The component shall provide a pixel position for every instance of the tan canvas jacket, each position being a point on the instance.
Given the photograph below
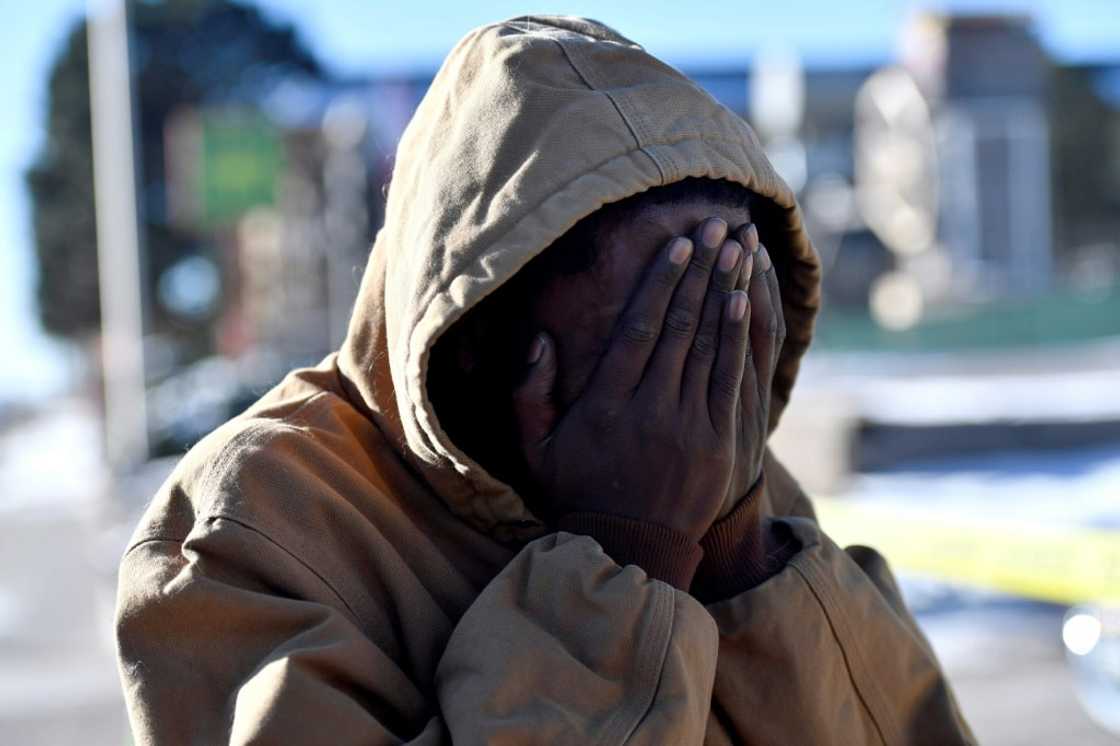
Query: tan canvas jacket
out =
(330, 568)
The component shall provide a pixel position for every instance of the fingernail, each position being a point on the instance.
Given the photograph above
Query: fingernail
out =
(729, 256)
(713, 233)
(751, 238)
(764, 255)
(680, 250)
(737, 305)
(536, 349)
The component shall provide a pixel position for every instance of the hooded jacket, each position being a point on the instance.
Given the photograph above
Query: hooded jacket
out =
(330, 568)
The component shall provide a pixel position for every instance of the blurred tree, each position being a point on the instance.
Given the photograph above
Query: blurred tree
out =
(184, 53)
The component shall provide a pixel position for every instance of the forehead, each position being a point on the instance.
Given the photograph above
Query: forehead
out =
(628, 242)
(637, 234)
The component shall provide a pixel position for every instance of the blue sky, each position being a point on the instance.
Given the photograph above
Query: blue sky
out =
(359, 34)
(363, 36)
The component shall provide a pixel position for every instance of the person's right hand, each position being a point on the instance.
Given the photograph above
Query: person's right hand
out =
(653, 436)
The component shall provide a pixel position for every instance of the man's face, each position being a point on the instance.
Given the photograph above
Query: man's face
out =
(579, 311)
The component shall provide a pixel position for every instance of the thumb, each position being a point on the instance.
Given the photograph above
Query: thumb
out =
(533, 405)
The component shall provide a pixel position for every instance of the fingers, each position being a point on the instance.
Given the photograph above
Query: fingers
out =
(767, 322)
(638, 328)
(732, 365)
(682, 318)
(706, 343)
(747, 235)
(533, 405)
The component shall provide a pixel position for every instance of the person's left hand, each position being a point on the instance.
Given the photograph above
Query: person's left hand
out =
(767, 333)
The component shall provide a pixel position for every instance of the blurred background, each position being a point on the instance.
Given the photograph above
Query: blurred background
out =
(959, 168)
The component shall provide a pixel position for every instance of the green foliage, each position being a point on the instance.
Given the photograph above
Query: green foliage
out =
(184, 53)
(61, 185)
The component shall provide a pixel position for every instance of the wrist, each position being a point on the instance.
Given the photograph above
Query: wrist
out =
(740, 550)
(662, 552)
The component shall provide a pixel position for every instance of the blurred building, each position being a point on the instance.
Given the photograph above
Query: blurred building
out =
(974, 170)
(988, 80)
(961, 154)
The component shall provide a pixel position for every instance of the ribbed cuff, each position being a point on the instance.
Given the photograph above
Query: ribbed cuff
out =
(737, 553)
(664, 554)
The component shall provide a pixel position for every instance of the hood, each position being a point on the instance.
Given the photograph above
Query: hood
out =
(531, 125)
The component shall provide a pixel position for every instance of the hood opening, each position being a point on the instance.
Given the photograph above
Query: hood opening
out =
(530, 126)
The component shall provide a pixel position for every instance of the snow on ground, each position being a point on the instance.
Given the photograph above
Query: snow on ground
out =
(52, 461)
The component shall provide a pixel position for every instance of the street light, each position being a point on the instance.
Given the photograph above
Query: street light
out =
(118, 239)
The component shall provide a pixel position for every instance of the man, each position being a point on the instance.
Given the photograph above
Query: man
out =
(529, 500)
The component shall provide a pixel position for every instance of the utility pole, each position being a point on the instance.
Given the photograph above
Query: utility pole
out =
(118, 239)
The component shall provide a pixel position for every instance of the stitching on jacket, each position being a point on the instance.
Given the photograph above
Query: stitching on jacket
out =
(227, 454)
(651, 655)
(634, 125)
(849, 649)
(871, 682)
(249, 527)
(152, 540)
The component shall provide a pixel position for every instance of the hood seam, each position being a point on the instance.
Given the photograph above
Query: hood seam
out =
(636, 127)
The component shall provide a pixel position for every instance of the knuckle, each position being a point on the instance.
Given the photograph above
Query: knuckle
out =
(725, 383)
(680, 321)
(733, 333)
(704, 345)
(666, 278)
(723, 284)
(638, 331)
(703, 261)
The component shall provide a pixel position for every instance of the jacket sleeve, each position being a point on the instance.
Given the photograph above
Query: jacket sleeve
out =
(827, 650)
(227, 638)
(566, 647)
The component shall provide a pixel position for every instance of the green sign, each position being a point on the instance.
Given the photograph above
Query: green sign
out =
(222, 163)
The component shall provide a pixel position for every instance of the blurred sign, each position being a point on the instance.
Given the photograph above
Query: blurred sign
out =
(221, 163)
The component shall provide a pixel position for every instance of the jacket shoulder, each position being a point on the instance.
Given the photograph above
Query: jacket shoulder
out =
(255, 462)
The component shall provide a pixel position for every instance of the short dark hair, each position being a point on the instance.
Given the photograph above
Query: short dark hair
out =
(466, 394)
(577, 250)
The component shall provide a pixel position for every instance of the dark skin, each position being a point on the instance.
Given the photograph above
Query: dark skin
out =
(649, 384)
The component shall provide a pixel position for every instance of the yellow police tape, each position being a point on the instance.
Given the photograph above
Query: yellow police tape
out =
(1062, 564)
